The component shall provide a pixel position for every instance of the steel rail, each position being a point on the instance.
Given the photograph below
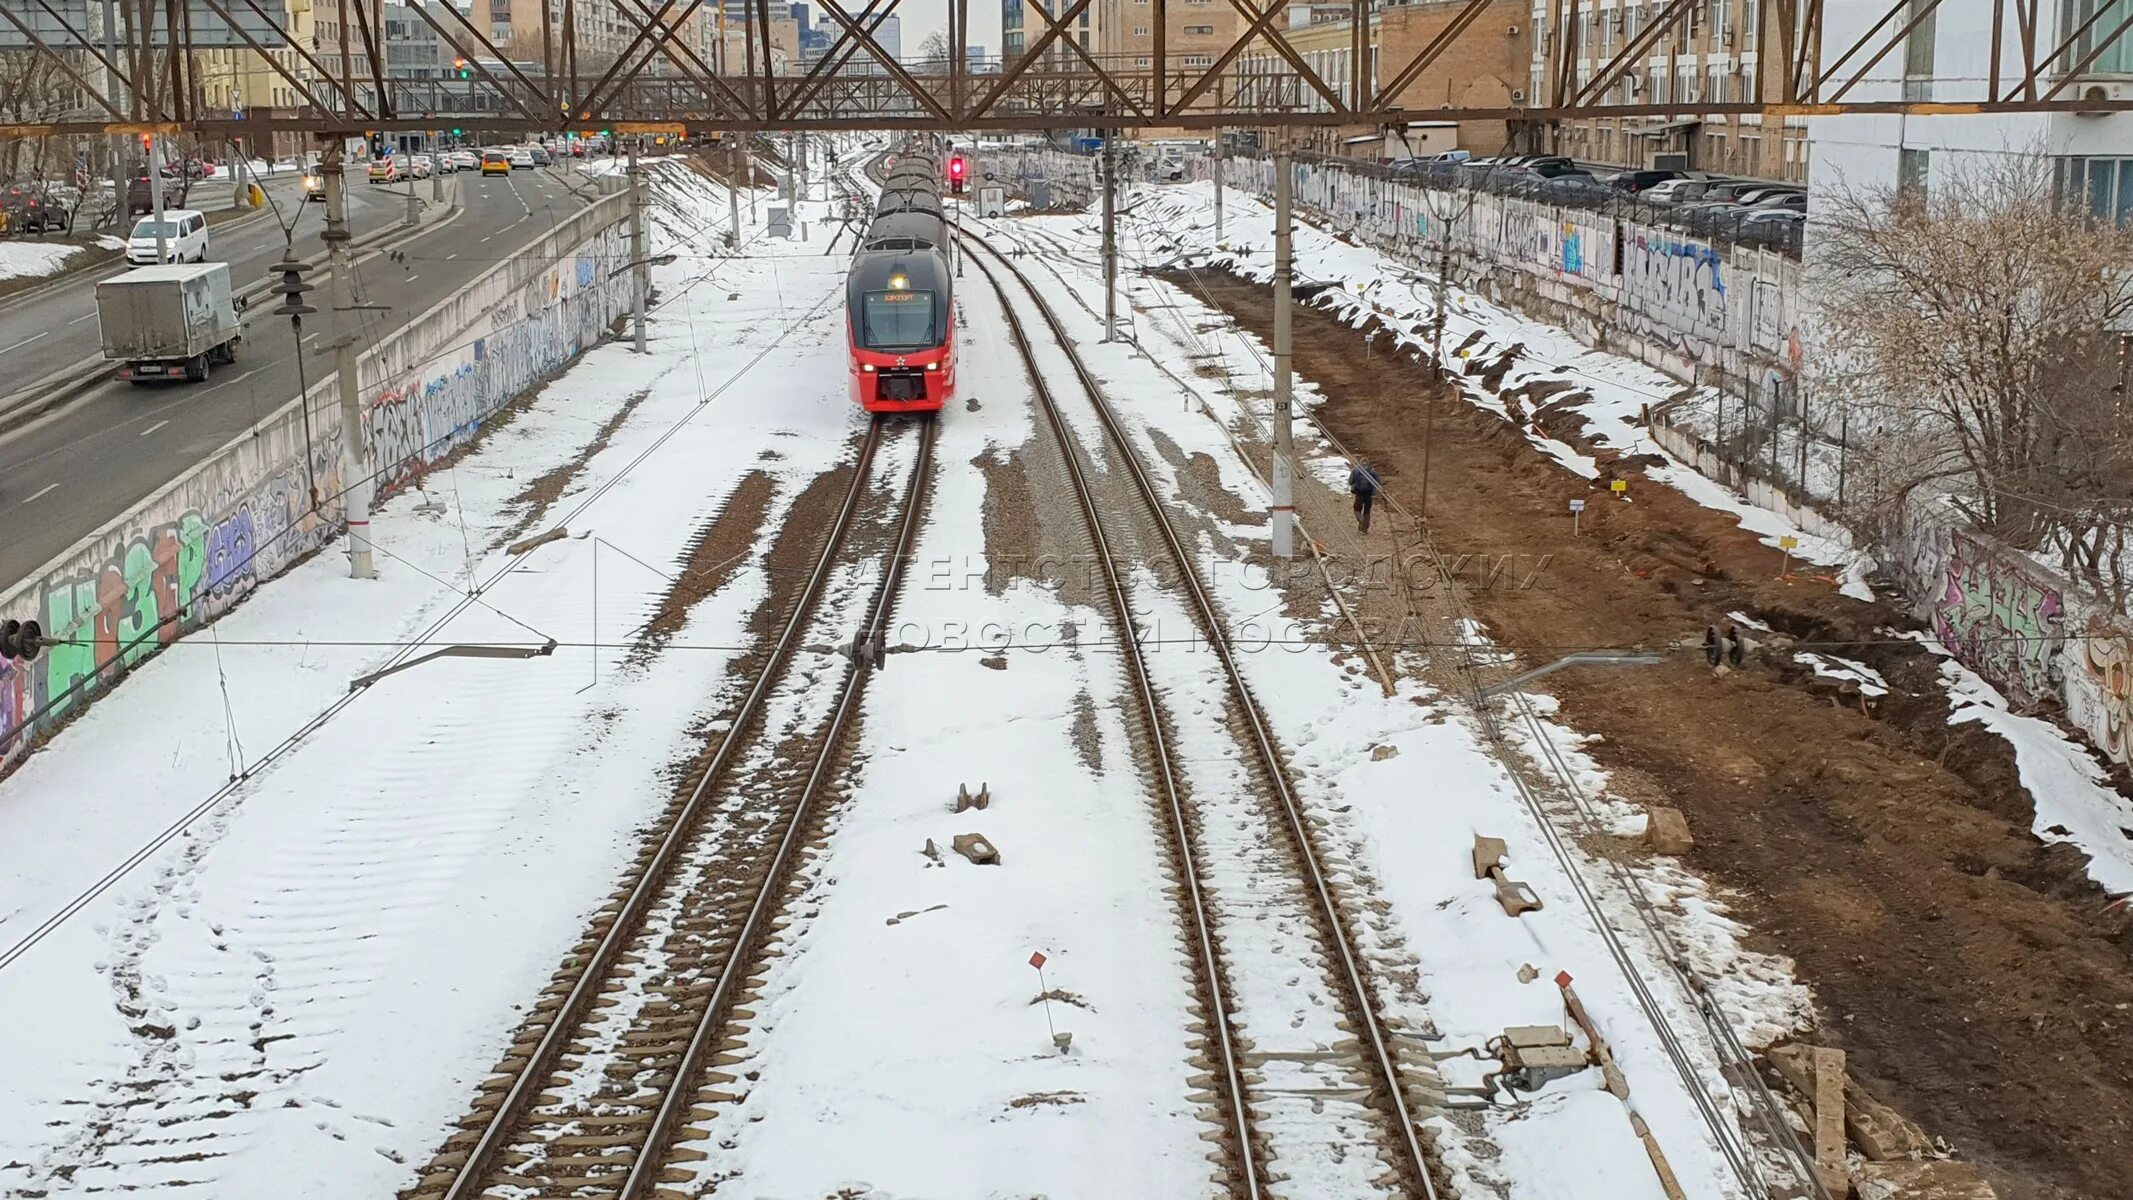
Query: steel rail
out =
(1381, 1055)
(1129, 641)
(681, 1095)
(471, 1178)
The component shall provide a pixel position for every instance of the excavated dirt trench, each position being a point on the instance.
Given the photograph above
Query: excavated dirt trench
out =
(1971, 972)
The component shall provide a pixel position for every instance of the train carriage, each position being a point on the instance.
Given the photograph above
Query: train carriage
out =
(899, 297)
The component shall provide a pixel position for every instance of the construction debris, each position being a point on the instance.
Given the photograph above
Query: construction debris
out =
(964, 801)
(1516, 898)
(1941, 1180)
(977, 848)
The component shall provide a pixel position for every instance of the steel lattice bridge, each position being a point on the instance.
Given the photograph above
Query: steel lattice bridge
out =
(129, 60)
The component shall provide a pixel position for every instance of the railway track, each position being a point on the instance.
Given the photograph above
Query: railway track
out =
(1286, 1103)
(619, 1052)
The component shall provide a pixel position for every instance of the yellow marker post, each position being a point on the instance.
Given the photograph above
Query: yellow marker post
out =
(1620, 487)
(1786, 545)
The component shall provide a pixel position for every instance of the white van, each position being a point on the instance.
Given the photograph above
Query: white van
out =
(184, 237)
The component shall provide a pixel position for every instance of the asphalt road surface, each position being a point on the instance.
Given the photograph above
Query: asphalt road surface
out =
(71, 472)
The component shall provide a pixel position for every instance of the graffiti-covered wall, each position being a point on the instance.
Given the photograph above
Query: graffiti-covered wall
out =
(1675, 302)
(182, 557)
(2025, 629)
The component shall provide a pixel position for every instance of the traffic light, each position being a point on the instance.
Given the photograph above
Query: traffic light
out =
(460, 65)
(20, 640)
(148, 143)
(958, 173)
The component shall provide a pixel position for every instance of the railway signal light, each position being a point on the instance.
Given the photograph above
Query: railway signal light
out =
(958, 173)
(20, 640)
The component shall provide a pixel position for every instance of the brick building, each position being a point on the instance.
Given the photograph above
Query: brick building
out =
(1710, 56)
(1486, 68)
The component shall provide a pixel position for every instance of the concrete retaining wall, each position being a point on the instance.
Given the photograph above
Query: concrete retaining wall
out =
(183, 556)
(1689, 308)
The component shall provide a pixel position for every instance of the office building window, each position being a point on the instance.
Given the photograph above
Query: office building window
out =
(2104, 186)
(1918, 52)
(1912, 169)
(1199, 60)
(1140, 31)
(2118, 59)
(1199, 30)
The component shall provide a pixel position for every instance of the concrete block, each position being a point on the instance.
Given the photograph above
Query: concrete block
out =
(1880, 1132)
(1829, 1119)
(977, 848)
(1666, 831)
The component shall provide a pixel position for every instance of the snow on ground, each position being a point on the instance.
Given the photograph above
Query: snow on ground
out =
(903, 1015)
(300, 993)
(2074, 799)
(21, 257)
(1406, 820)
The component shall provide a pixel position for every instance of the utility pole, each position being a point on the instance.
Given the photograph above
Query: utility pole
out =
(155, 193)
(1110, 234)
(436, 167)
(733, 194)
(341, 327)
(1218, 186)
(640, 271)
(237, 156)
(1284, 514)
(1436, 358)
(121, 153)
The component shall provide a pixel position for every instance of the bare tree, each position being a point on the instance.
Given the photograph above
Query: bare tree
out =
(935, 55)
(1974, 334)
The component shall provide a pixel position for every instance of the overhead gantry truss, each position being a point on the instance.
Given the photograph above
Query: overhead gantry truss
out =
(130, 60)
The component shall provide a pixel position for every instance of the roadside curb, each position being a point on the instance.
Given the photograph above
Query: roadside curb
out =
(60, 388)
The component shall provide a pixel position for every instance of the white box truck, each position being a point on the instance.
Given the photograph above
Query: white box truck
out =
(171, 321)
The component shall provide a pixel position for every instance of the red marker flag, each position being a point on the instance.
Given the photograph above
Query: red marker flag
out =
(1037, 960)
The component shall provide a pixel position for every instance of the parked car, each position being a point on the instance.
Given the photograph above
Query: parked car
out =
(1549, 168)
(384, 170)
(1641, 180)
(1781, 202)
(184, 233)
(1689, 186)
(1772, 218)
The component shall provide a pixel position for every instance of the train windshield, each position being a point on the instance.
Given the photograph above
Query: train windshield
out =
(895, 320)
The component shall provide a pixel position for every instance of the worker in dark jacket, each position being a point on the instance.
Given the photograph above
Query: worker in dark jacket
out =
(1365, 484)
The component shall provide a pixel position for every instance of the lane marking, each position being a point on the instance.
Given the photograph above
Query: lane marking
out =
(88, 316)
(411, 278)
(26, 341)
(450, 257)
(152, 428)
(40, 492)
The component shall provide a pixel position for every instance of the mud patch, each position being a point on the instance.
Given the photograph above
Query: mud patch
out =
(710, 562)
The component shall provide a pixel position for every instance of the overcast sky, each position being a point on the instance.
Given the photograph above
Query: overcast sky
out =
(921, 17)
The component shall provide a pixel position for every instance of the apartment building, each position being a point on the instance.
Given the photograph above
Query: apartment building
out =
(1196, 33)
(1019, 30)
(1486, 68)
(241, 79)
(1710, 56)
(1949, 57)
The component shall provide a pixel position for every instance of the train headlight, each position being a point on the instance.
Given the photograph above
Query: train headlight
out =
(867, 368)
(933, 366)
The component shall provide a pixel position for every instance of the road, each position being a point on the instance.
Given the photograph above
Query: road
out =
(65, 476)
